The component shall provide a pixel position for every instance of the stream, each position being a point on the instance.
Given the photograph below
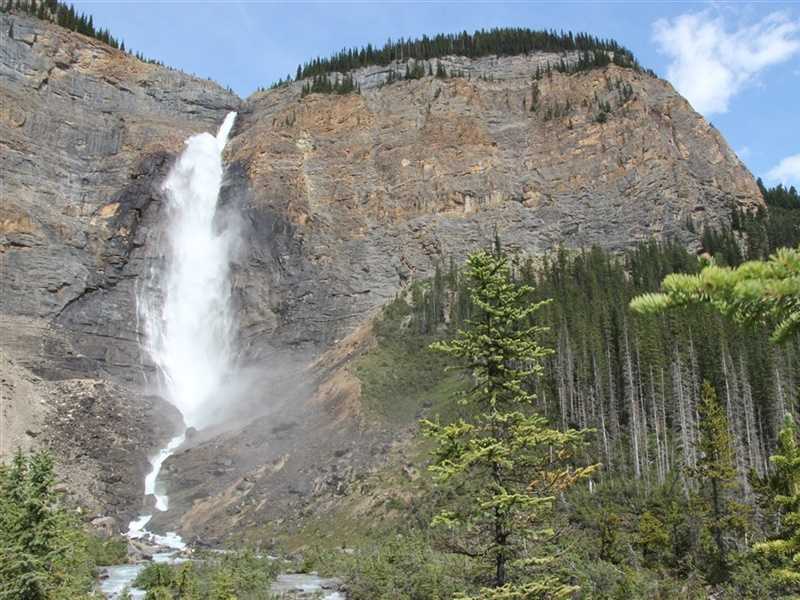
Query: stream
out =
(114, 580)
(291, 585)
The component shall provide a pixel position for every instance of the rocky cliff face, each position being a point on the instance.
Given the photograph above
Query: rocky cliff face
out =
(344, 200)
(87, 134)
(363, 192)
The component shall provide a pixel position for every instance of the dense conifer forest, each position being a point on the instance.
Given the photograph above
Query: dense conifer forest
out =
(637, 379)
(64, 15)
(684, 411)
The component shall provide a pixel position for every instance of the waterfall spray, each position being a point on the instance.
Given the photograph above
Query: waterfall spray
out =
(185, 307)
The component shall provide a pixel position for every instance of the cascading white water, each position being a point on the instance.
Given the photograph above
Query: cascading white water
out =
(189, 325)
(185, 306)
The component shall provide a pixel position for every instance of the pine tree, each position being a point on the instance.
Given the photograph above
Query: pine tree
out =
(716, 474)
(506, 464)
(765, 292)
(185, 583)
(42, 548)
(160, 593)
(785, 548)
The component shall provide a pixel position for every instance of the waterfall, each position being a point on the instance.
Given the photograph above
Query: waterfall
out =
(185, 304)
(188, 320)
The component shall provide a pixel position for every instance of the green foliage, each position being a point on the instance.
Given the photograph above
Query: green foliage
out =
(604, 109)
(546, 587)
(754, 292)
(325, 84)
(154, 575)
(716, 474)
(125, 595)
(405, 567)
(780, 196)
(415, 70)
(399, 380)
(650, 536)
(106, 552)
(504, 461)
(765, 230)
(239, 575)
(161, 593)
(43, 548)
(66, 16)
(784, 549)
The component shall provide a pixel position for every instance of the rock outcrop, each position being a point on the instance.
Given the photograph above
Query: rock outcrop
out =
(343, 200)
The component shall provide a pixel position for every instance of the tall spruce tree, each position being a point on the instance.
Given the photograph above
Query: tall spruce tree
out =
(716, 475)
(43, 552)
(785, 548)
(504, 462)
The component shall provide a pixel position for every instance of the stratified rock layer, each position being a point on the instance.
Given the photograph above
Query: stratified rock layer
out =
(360, 193)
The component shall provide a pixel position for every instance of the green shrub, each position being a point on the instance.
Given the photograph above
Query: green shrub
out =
(404, 568)
(240, 575)
(153, 576)
(106, 552)
(43, 547)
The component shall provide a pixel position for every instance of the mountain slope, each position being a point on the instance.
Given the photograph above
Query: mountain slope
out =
(374, 189)
(342, 201)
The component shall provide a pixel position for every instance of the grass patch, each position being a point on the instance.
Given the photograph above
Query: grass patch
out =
(402, 379)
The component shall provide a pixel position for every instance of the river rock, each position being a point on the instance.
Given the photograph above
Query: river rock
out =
(301, 585)
(105, 527)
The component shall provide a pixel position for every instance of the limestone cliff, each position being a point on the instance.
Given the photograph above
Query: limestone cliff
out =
(344, 199)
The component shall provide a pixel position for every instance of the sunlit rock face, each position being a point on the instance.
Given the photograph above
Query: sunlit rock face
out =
(343, 200)
(364, 192)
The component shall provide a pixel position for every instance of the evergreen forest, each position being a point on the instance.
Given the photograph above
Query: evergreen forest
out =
(680, 448)
(506, 41)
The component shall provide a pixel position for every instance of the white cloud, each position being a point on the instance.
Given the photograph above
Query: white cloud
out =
(709, 63)
(787, 171)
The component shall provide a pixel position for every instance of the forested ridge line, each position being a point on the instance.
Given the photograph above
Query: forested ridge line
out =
(501, 41)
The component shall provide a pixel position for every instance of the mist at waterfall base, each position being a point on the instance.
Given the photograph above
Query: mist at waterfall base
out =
(185, 304)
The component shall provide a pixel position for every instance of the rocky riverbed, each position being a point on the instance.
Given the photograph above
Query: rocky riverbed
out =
(114, 580)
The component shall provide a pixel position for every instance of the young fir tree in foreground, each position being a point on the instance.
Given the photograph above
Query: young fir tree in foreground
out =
(785, 548)
(716, 476)
(505, 465)
(766, 292)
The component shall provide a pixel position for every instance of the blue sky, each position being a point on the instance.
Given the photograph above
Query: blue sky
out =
(738, 63)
